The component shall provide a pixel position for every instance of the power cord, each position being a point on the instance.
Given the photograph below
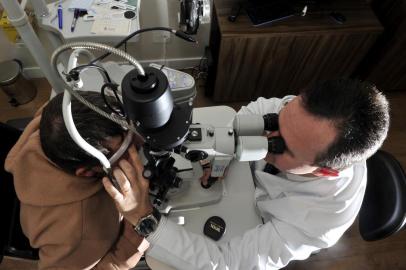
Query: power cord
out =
(177, 33)
(113, 87)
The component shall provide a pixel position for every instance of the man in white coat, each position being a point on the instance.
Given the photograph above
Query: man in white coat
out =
(308, 201)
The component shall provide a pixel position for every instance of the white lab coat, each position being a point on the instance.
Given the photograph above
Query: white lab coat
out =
(301, 215)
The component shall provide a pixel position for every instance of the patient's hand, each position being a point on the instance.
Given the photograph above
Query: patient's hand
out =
(133, 198)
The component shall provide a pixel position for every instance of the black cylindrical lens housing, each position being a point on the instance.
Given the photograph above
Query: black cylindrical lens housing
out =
(147, 99)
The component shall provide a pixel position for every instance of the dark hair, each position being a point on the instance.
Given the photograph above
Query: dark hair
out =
(360, 114)
(56, 142)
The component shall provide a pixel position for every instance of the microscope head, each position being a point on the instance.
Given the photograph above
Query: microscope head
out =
(149, 103)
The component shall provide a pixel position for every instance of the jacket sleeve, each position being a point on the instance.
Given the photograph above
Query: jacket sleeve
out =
(268, 246)
(263, 106)
(65, 243)
(296, 226)
(126, 252)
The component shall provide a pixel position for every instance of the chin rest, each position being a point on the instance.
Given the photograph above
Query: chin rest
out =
(384, 206)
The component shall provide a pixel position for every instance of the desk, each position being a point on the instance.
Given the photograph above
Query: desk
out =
(237, 206)
(282, 58)
(83, 28)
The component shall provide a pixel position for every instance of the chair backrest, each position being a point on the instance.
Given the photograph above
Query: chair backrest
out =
(383, 209)
(12, 240)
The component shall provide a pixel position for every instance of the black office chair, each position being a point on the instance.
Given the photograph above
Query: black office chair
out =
(12, 240)
(383, 209)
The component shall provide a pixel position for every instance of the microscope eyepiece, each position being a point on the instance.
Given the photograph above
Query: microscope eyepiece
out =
(276, 145)
(271, 122)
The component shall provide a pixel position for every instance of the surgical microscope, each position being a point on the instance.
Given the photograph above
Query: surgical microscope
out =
(163, 119)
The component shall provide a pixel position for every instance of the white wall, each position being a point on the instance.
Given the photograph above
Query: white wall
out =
(179, 53)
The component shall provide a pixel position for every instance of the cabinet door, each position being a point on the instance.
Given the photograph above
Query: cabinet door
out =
(273, 66)
(385, 65)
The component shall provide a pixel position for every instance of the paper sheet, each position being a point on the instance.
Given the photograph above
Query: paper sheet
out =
(118, 27)
(80, 4)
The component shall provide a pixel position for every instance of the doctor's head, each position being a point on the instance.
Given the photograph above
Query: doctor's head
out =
(59, 147)
(330, 126)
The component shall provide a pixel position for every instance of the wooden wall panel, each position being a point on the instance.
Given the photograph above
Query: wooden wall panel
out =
(275, 66)
(281, 59)
(385, 65)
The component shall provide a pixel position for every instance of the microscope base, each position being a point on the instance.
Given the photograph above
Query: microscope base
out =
(192, 195)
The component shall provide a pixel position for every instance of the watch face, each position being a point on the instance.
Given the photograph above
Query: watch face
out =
(147, 226)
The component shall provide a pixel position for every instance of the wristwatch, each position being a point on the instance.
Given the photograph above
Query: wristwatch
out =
(148, 224)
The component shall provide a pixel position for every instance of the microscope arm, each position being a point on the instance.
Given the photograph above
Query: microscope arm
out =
(220, 145)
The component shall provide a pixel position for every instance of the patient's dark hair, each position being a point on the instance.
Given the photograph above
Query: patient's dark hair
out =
(360, 114)
(56, 142)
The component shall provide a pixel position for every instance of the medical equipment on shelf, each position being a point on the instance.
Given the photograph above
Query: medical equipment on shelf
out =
(192, 14)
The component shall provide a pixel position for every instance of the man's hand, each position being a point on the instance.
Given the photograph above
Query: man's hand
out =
(133, 199)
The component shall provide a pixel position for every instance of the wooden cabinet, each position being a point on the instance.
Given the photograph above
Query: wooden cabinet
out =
(279, 59)
(385, 64)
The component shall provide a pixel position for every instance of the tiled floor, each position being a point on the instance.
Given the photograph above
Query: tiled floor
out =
(9, 112)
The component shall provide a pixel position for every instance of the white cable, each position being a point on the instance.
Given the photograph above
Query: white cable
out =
(70, 125)
(123, 147)
(79, 46)
(73, 132)
(95, 46)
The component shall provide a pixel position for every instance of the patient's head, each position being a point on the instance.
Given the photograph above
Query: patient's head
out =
(58, 146)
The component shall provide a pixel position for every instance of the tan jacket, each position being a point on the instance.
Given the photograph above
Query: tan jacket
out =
(72, 220)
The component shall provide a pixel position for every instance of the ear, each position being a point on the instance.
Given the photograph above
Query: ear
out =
(84, 172)
(324, 171)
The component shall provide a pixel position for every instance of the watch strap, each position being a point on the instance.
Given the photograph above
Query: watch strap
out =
(156, 214)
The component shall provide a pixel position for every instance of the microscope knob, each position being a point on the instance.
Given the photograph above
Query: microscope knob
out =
(147, 173)
(177, 182)
(196, 155)
(157, 201)
(210, 182)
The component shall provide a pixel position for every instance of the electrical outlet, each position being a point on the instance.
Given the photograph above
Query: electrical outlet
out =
(161, 37)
